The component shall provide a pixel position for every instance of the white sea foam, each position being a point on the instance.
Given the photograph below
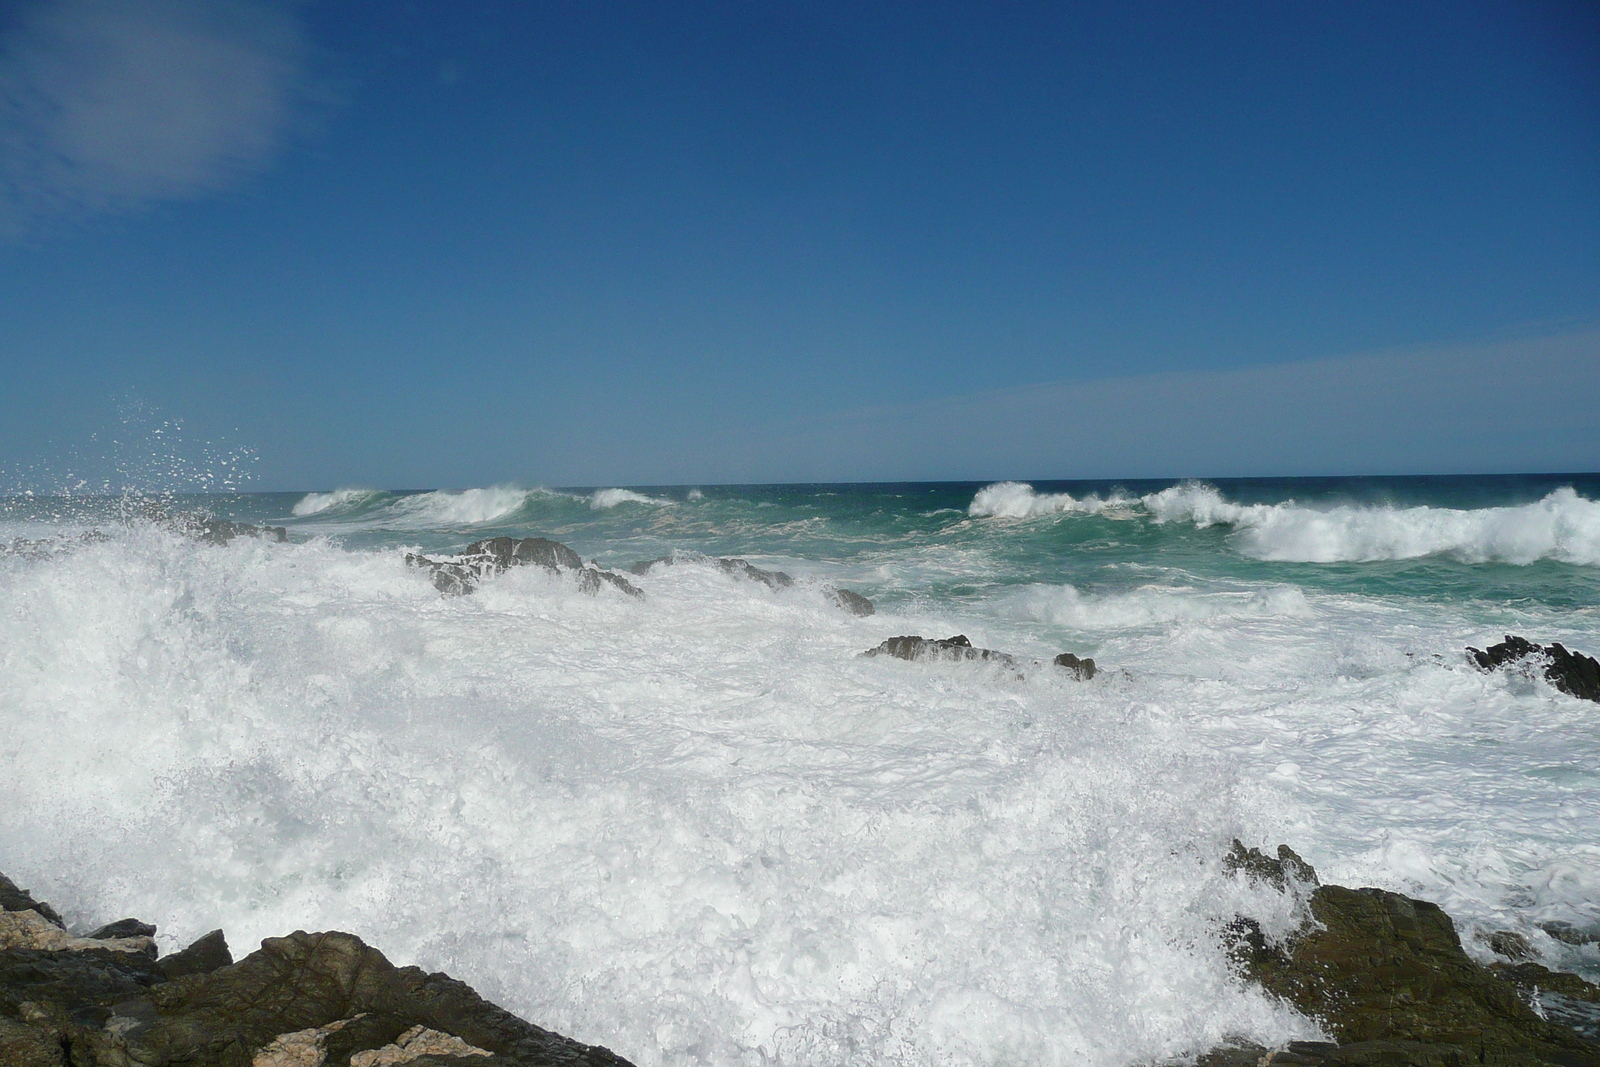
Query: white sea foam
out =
(1563, 526)
(610, 498)
(1018, 500)
(1153, 605)
(337, 500)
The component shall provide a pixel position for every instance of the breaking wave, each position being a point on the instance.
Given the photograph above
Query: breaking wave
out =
(1065, 605)
(339, 500)
(1018, 500)
(1563, 526)
(610, 498)
(463, 507)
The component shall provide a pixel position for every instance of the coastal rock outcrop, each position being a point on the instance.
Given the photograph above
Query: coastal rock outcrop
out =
(460, 574)
(305, 1000)
(911, 647)
(1571, 672)
(1386, 977)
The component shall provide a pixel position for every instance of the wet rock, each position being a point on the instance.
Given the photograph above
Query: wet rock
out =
(1283, 873)
(1571, 672)
(949, 648)
(1386, 976)
(1568, 934)
(124, 928)
(414, 1044)
(205, 955)
(854, 603)
(15, 899)
(459, 575)
(1511, 945)
(1083, 669)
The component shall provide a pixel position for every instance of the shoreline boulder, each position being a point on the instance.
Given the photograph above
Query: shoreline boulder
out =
(459, 575)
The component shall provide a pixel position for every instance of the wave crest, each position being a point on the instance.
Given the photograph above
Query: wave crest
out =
(1018, 500)
(1563, 526)
(337, 500)
(605, 499)
(463, 507)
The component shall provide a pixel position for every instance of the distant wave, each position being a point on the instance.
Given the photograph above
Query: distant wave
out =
(464, 507)
(338, 500)
(610, 498)
(1563, 526)
(1017, 500)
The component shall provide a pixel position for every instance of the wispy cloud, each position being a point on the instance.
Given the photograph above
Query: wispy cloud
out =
(113, 105)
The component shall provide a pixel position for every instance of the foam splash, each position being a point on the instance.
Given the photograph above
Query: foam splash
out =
(1064, 605)
(605, 499)
(1018, 500)
(336, 501)
(1563, 526)
(725, 839)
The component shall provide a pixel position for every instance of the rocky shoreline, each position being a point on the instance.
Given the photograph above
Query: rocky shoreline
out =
(1384, 975)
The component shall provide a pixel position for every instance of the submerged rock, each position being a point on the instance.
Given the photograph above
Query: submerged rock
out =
(460, 574)
(1385, 975)
(1571, 672)
(959, 647)
(299, 1001)
(854, 603)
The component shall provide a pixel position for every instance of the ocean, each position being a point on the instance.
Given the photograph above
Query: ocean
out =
(698, 827)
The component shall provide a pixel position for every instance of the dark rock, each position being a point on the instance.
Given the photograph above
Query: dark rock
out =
(951, 648)
(854, 603)
(205, 955)
(460, 575)
(1084, 669)
(15, 899)
(1571, 672)
(124, 928)
(102, 1008)
(1386, 976)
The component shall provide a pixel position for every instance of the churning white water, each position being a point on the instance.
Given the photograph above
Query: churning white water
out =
(699, 828)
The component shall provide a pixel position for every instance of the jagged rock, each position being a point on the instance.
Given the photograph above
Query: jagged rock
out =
(205, 955)
(1571, 672)
(854, 603)
(300, 1001)
(951, 648)
(460, 575)
(15, 899)
(1386, 976)
(1084, 668)
(30, 930)
(124, 928)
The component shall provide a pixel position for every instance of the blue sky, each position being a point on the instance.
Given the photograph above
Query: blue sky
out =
(579, 243)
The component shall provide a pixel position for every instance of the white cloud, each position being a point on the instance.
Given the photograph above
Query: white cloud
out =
(112, 105)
